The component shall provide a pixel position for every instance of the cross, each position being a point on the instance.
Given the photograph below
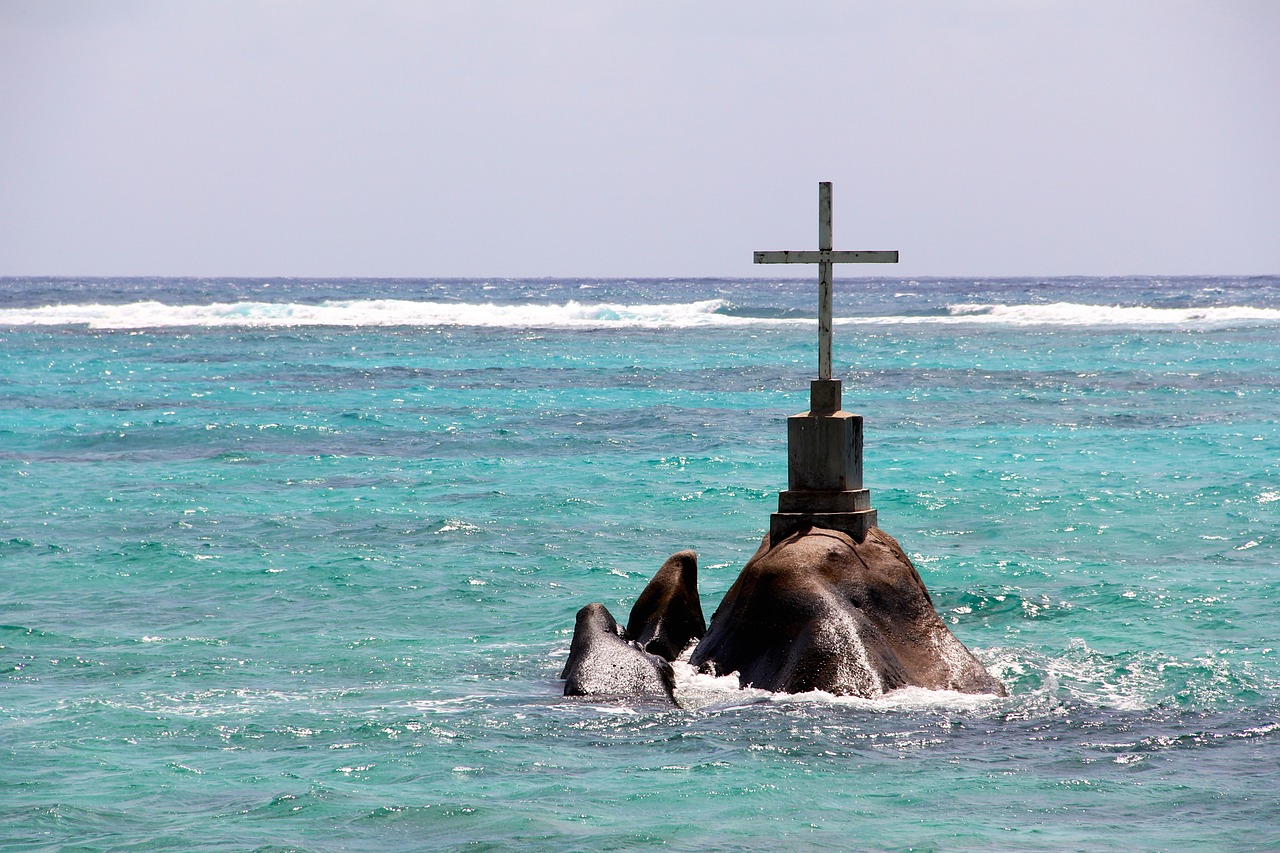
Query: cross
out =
(824, 258)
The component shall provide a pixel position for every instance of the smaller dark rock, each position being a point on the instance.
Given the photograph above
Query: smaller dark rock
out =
(668, 613)
(602, 663)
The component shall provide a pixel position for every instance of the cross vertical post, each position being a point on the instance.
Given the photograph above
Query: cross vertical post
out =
(824, 281)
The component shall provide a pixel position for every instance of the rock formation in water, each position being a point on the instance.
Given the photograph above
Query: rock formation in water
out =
(608, 662)
(668, 613)
(821, 611)
(818, 610)
(603, 663)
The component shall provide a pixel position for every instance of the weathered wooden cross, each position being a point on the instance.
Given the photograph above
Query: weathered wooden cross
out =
(824, 258)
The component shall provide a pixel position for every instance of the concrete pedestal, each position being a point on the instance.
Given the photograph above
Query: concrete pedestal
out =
(824, 470)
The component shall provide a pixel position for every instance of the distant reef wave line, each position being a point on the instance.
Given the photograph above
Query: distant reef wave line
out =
(572, 314)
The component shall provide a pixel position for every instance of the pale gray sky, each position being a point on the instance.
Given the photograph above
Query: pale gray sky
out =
(599, 138)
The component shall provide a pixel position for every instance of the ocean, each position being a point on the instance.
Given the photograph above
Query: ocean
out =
(292, 564)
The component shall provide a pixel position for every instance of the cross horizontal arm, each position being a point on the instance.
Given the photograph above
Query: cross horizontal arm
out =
(830, 257)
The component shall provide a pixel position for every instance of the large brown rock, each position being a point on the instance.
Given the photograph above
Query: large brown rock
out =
(820, 611)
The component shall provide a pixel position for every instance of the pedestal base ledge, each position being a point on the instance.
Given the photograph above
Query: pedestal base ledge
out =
(855, 524)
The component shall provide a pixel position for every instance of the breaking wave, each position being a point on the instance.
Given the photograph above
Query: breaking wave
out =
(1074, 314)
(372, 312)
(577, 315)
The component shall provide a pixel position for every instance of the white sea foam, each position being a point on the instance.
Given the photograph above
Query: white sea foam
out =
(1076, 314)
(902, 699)
(373, 312)
(696, 690)
(573, 314)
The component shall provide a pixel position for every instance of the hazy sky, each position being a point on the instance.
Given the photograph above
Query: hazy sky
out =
(600, 138)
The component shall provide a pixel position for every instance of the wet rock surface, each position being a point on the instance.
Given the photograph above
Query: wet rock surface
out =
(821, 611)
(668, 614)
(603, 663)
(817, 610)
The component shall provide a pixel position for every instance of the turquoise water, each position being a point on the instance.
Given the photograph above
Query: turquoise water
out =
(294, 564)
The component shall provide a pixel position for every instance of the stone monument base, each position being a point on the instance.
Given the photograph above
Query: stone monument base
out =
(855, 525)
(824, 470)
